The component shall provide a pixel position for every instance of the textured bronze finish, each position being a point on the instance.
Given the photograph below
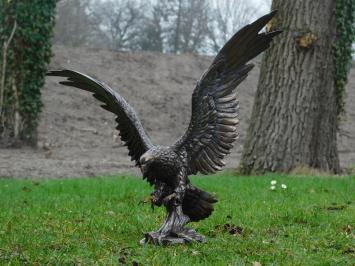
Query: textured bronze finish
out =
(208, 139)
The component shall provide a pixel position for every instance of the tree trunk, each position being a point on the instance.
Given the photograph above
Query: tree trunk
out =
(294, 118)
(177, 29)
(25, 58)
(3, 74)
(17, 116)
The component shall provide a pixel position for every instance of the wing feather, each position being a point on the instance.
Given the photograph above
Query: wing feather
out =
(214, 119)
(129, 125)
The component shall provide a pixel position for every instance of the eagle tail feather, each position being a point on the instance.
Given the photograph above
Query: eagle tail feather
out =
(197, 204)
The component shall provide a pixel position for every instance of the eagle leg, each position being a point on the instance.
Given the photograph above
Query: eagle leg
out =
(172, 231)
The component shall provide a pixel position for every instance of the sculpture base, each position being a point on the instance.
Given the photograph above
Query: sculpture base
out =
(185, 236)
(172, 231)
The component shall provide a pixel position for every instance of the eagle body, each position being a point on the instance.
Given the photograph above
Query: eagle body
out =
(161, 164)
(164, 168)
(208, 139)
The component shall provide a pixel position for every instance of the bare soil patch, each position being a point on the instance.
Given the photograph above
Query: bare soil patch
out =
(78, 138)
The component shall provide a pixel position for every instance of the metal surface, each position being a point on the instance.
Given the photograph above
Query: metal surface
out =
(208, 139)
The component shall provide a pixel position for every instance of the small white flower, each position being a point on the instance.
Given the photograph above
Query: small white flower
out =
(272, 187)
(283, 186)
(109, 213)
(273, 182)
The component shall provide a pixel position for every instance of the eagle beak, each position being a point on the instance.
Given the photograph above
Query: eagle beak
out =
(144, 160)
(142, 166)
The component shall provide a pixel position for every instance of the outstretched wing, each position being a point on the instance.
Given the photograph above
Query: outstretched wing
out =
(213, 124)
(129, 125)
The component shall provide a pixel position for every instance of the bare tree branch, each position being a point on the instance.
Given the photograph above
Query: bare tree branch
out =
(121, 21)
(228, 17)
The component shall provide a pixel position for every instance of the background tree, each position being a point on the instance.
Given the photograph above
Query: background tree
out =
(120, 21)
(26, 31)
(73, 23)
(152, 30)
(227, 17)
(294, 118)
(345, 23)
(187, 25)
(173, 26)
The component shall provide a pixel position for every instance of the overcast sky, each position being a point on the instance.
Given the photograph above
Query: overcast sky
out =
(264, 5)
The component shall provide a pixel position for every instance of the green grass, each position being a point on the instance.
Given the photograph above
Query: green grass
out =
(100, 221)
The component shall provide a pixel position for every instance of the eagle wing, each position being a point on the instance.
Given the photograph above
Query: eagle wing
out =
(213, 124)
(129, 125)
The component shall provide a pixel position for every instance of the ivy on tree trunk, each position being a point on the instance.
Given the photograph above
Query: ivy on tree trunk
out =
(294, 118)
(345, 24)
(25, 45)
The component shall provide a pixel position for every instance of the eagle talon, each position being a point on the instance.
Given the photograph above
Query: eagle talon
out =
(145, 200)
(168, 198)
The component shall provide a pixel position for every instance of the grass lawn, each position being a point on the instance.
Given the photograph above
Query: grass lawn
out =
(100, 221)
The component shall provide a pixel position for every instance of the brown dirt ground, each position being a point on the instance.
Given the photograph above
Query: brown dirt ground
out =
(77, 137)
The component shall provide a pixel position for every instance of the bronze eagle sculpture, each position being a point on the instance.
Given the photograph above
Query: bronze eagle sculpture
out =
(207, 140)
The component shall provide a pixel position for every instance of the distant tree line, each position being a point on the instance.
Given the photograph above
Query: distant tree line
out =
(167, 26)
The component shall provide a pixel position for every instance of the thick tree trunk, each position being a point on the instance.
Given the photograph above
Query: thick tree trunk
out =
(294, 118)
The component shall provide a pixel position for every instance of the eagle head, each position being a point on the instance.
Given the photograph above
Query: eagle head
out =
(148, 157)
(159, 161)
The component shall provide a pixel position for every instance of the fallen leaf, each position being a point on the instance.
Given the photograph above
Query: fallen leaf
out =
(122, 260)
(26, 189)
(336, 208)
(349, 250)
(233, 229)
